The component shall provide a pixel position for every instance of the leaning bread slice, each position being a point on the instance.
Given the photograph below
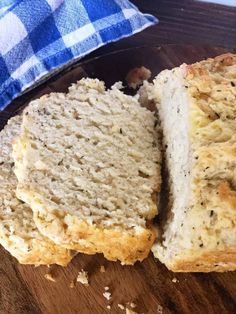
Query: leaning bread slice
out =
(18, 232)
(197, 109)
(88, 165)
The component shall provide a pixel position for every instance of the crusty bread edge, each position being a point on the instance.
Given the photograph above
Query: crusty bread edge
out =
(39, 256)
(114, 244)
(197, 261)
(205, 262)
(128, 246)
(220, 260)
(209, 261)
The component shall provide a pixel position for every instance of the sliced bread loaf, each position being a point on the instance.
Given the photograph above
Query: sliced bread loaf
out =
(197, 109)
(18, 232)
(88, 163)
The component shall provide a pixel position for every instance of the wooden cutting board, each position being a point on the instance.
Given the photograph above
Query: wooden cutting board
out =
(24, 289)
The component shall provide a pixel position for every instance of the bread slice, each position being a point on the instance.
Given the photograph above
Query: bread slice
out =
(197, 109)
(88, 163)
(18, 232)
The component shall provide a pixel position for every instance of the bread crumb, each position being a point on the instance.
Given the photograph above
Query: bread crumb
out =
(159, 309)
(174, 280)
(136, 76)
(72, 284)
(107, 295)
(102, 269)
(117, 85)
(108, 307)
(129, 311)
(121, 306)
(132, 305)
(49, 277)
(106, 288)
(83, 277)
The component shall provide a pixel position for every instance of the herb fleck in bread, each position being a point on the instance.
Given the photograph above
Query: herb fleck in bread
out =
(18, 232)
(88, 164)
(197, 109)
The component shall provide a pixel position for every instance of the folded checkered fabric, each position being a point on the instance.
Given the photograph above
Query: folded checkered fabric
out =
(37, 36)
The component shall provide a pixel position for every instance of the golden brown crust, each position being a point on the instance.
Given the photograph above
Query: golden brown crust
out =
(205, 262)
(47, 253)
(195, 70)
(223, 60)
(128, 247)
(217, 64)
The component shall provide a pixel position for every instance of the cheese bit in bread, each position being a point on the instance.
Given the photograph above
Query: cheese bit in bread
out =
(18, 232)
(88, 163)
(197, 109)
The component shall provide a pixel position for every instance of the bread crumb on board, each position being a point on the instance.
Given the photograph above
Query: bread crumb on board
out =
(136, 76)
(121, 306)
(108, 307)
(102, 269)
(49, 277)
(129, 311)
(129, 308)
(159, 309)
(72, 284)
(83, 277)
(107, 295)
(174, 280)
(132, 305)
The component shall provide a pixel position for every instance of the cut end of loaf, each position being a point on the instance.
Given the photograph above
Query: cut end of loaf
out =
(197, 108)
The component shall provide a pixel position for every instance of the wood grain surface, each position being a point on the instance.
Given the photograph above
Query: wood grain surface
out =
(24, 289)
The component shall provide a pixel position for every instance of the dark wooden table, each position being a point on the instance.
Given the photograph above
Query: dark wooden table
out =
(183, 22)
(24, 290)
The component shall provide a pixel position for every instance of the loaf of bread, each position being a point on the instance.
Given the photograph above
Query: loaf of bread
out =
(18, 232)
(88, 164)
(197, 110)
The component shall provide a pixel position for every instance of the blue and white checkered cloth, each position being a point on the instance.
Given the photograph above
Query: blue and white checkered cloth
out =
(37, 36)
